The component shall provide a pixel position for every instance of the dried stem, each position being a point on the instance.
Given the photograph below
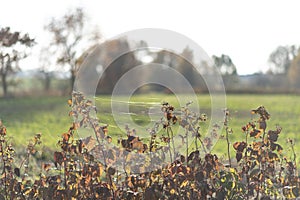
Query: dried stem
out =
(228, 146)
(4, 166)
(169, 146)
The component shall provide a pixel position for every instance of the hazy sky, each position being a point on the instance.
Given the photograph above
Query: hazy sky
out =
(247, 31)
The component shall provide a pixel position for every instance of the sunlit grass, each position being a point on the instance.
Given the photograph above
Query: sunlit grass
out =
(24, 117)
(49, 115)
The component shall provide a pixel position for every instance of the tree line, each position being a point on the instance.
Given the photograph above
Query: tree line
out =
(70, 43)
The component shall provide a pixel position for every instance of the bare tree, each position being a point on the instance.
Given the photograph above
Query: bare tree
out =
(13, 48)
(67, 36)
(294, 72)
(282, 58)
(44, 69)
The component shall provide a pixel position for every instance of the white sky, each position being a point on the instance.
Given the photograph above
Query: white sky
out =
(247, 31)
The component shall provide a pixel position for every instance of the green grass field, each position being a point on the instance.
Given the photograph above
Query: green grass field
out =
(24, 117)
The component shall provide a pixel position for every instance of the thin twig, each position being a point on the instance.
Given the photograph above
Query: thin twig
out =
(228, 146)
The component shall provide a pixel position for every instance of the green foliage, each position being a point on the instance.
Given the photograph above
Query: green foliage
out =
(84, 168)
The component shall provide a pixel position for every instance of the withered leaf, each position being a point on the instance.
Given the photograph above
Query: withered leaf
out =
(255, 133)
(262, 124)
(17, 171)
(111, 171)
(70, 102)
(58, 158)
(240, 146)
(238, 156)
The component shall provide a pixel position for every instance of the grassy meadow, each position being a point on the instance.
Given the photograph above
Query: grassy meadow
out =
(24, 117)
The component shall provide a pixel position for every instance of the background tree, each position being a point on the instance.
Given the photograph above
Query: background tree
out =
(294, 72)
(228, 70)
(117, 67)
(45, 73)
(282, 57)
(225, 65)
(67, 36)
(185, 67)
(13, 48)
